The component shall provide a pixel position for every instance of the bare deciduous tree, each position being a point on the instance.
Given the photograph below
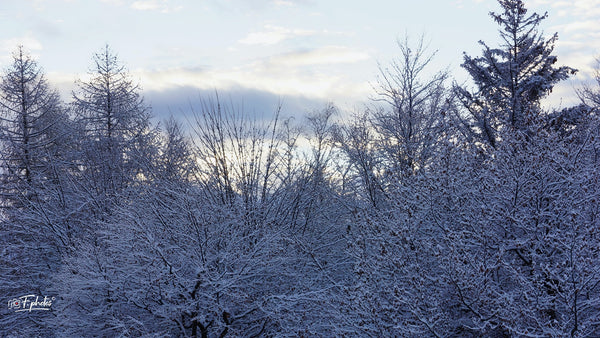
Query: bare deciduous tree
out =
(416, 120)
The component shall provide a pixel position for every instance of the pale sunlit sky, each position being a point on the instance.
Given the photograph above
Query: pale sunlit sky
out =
(300, 52)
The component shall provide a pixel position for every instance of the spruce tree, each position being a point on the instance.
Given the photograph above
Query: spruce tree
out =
(511, 79)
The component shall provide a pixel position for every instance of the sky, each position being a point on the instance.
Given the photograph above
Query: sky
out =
(258, 53)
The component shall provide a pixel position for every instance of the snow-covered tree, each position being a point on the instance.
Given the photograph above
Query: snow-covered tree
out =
(530, 239)
(118, 141)
(395, 140)
(171, 263)
(175, 161)
(399, 253)
(417, 218)
(510, 80)
(258, 253)
(416, 118)
(116, 158)
(359, 143)
(30, 116)
(238, 157)
(34, 149)
(590, 93)
(476, 246)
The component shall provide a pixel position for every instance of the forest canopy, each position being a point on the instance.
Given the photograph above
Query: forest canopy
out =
(439, 210)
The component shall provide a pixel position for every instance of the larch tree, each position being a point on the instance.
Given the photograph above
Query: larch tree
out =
(116, 155)
(32, 145)
(30, 109)
(118, 135)
(175, 162)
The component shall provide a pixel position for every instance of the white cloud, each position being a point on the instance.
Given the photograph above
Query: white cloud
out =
(581, 25)
(586, 9)
(146, 5)
(163, 6)
(8, 46)
(65, 83)
(579, 40)
(285, 3)
(113, 2)
(274, 35)
(461, 3)
(320, 56)
(30, 43)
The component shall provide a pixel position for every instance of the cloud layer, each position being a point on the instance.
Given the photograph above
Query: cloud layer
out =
(274, 34)
(294, 73)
